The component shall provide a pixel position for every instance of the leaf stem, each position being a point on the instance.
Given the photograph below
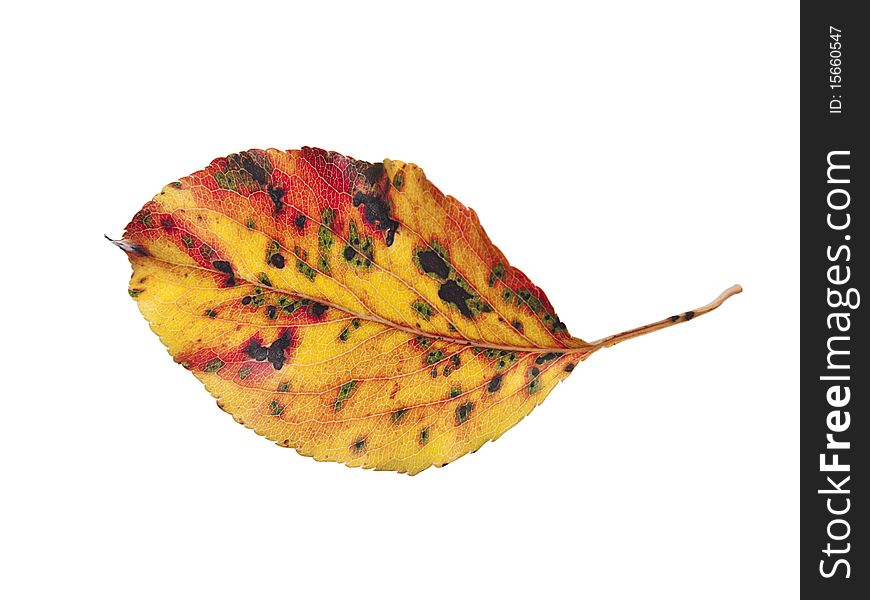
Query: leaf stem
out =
(612, 340)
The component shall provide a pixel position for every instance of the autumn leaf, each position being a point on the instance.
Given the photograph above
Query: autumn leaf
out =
(348, 309)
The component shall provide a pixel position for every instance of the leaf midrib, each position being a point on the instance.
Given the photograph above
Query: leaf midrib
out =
(377, 319)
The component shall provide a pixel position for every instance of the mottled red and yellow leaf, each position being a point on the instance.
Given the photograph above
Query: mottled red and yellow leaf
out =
(347, 309)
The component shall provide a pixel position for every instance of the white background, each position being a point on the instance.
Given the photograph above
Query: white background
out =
(633, 159)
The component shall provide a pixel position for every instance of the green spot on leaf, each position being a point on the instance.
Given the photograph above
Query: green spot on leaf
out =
(505, 360)
(324, 233)
(497, 273)
(343, 393)
(291, 307)
(359, 251)
(305, 269)
(323, 264)
(259, 298)
(214, 365)
(423, 308)
(463, 412)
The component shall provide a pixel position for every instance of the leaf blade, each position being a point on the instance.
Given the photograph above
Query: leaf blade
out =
(346, 309)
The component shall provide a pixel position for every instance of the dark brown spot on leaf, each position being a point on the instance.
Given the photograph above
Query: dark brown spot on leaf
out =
(257, 172)
(276, 195)
(432, 263)
(317, 309)
(541, 359)
(274, 353)
(451, 292)
(377, 212)
(225, 267)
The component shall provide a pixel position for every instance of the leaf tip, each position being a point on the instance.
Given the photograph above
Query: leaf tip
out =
(128, 247)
